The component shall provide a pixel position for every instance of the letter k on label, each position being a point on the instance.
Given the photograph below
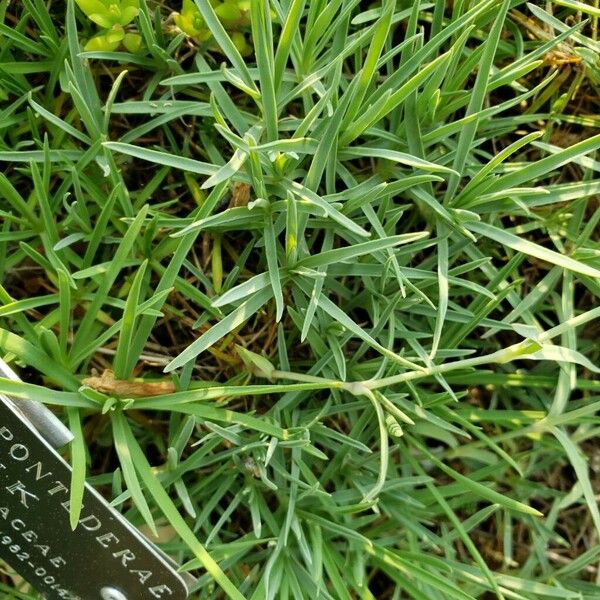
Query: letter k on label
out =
(19, 488)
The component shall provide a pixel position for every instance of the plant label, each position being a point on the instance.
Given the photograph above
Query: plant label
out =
(104, 558)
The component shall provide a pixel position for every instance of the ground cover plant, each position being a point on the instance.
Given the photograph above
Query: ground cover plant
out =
(314, 284)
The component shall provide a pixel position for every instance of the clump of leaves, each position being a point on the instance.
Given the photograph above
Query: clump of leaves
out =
(234, 15)
(113, 16)
(366, 258)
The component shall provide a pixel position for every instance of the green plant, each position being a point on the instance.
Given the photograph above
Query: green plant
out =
(112, 16)
(233, 14)
(366, 259)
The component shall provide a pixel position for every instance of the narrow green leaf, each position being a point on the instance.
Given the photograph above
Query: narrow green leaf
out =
(532, 249)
